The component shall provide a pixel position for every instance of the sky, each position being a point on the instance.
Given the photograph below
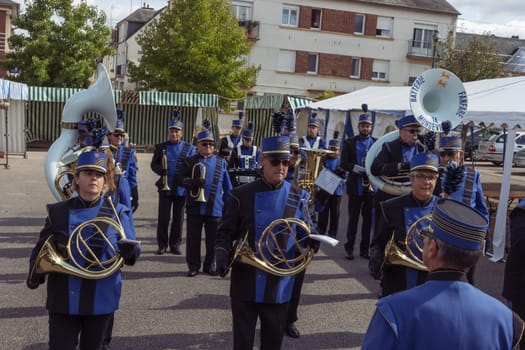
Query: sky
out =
(499, 17)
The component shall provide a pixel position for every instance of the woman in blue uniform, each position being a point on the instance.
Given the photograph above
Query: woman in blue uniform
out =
(78, 304)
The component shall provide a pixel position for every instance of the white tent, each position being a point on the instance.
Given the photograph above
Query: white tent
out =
(490, 101)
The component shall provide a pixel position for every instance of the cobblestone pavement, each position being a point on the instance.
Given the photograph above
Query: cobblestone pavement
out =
(161, 308)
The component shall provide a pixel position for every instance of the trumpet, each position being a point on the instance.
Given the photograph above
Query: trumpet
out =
(199, 196)
(165, 186)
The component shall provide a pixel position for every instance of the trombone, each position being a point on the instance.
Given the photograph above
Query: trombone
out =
(199, 195)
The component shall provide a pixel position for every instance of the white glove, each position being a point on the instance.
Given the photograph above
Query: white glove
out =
(359, 169)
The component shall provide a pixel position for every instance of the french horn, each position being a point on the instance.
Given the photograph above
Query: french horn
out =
(97, 98)
(436, 96)
(89, 253)
(270, 255)
(411, 256)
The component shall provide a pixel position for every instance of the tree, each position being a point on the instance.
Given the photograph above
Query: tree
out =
(57, 44)
(195, 46)
(478, 60)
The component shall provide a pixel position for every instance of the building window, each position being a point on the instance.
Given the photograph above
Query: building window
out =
(356, 68)
(379, 70)
(312, 63)
(242, 10)
(384, 26)
(359, 27)
(316, 19)
(422, 40)
(290, 16)
(286, 61)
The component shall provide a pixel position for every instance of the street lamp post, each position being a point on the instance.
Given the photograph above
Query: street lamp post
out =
(435, 40)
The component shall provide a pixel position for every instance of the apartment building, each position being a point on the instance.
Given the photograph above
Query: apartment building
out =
(9, 10)
(305, 47)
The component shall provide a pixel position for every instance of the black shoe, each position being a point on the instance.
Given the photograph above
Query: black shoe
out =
(292, 331)
(175, 250)
(193, 273)
(210, 271)
(160, 251)
(364, 256)
(350, 255)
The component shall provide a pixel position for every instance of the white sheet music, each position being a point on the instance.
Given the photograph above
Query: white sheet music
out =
(328, 181)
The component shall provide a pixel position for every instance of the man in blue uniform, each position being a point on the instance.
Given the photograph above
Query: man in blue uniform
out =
(126, 157)
(446, 312)
(328, 217)
(312, 138)
(360, 191)
(396, 217)
(171, 198)
(208, 173)
(255, 293)
(77, 304)
(460, 182)
(229, 142)
(245, 158)
(469, 189)
(393, 160)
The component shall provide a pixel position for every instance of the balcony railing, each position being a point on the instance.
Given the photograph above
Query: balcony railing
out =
(420, 48)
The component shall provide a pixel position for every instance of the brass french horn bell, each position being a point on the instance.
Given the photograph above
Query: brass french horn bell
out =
(411, 255)
(269, 255)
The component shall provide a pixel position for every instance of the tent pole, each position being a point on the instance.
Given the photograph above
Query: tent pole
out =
(5, 105)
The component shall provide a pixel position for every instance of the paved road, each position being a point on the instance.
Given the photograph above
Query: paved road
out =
(161, 308)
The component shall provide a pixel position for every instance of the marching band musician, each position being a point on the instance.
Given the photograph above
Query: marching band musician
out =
(312, 138)
(296, 154)
(446, 312)
(460, 182)
(77, 305)
(360, 195)
(230, 142)
(328, 217)
(245, 155)
(126, 157)
(469, 189)
(394, 158)
(171, 198)
(256, 294)
(395, 217)
(204, 173)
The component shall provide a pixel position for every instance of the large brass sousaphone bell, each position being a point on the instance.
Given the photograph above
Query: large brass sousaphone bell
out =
(98, 98)
(436, 96)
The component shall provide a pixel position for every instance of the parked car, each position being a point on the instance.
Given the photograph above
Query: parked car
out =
(492, 148)
(519, 158)
(474, 135)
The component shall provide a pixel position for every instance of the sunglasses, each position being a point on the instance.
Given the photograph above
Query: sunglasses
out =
(448, 153)
(425, 177)
(412, 131)
(207, 144)
(277, 162)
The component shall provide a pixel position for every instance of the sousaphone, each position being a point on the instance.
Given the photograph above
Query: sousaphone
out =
(437, 95)
(99, 99)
